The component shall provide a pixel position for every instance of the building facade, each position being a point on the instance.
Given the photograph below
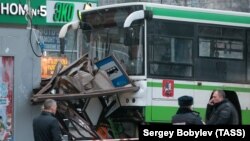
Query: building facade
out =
(28, 29)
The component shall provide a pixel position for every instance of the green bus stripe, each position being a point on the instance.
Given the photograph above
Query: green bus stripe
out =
(165, 113)
(200, 15)
(202, 87)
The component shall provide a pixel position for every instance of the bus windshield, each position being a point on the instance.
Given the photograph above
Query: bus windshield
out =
(104, 35)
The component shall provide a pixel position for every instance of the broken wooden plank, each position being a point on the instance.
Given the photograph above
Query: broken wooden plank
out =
(97, 93)
(74, 64)
(58, 68)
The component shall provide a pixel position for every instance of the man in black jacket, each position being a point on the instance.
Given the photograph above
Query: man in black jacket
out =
(221, 111)
(185, 115)
(46, 126)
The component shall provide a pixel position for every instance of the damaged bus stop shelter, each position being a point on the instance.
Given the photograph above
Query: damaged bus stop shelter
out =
(87, 93)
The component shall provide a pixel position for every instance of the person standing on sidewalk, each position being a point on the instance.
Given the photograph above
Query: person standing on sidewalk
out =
(220, 110)
(46, 126)
(185, 115)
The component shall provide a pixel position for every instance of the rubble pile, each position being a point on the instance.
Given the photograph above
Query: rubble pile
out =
(86, 96)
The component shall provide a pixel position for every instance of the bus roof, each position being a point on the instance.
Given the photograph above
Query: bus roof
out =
(190, 14)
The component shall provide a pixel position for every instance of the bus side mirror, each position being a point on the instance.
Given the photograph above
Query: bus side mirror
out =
(137, 15)
(129, 35)
(63, 31)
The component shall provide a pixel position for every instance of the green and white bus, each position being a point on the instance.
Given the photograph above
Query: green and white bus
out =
(170, 51)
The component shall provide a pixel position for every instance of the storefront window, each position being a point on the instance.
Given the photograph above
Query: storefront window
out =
(52, 54)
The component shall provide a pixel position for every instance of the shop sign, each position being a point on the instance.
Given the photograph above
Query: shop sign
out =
(21, 9)
(14, 11)
(48, 65)
(44, 12)
(63, 11)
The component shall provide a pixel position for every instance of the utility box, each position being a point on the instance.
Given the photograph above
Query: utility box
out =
(19, 75)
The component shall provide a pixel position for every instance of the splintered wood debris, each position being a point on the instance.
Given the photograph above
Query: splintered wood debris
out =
(74, 88)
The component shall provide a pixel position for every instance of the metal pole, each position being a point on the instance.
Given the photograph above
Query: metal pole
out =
(29, 15)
